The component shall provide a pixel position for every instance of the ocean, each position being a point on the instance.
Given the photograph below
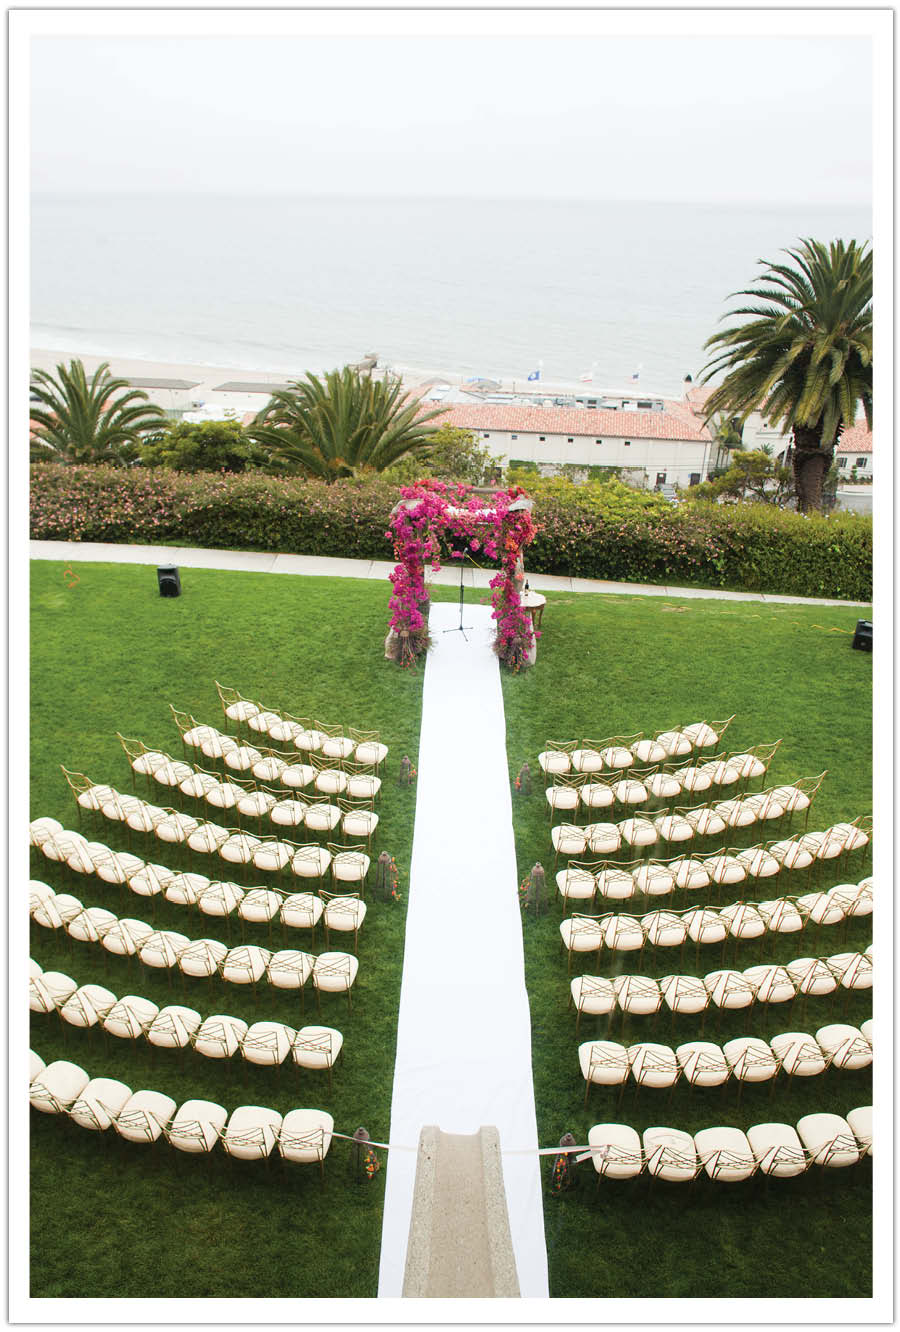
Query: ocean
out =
(494, 288)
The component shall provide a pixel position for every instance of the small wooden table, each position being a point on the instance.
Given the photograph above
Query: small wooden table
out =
(534, 603)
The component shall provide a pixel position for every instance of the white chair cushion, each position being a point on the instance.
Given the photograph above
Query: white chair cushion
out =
(703, 1063)
(798, 1053)
(603, 1062)
(670, 1153)
(616, 1150)
(305, 1135)
(99, 1104)
(653, 1065)
(829, 1140)
(777, 1149)
(726, 1153)
(144, 1116)
(197, 1125)
(594, 995)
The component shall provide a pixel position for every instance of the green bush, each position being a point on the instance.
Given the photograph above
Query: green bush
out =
(754, 548)
(450, 455)
(203, 446)
(606, 531)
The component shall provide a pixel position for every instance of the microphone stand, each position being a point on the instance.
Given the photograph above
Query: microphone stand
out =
(459, 628)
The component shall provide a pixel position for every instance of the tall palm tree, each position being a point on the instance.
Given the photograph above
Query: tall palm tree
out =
(344, 424)
(99, 419)
(805, 359)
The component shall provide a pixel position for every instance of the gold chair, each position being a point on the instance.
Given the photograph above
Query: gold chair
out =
(556, 759)
(370, 751)
(236, 708)
(343, 912)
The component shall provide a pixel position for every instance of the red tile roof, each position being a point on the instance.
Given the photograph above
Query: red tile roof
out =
(856, 439)
(582, 421)
(696, 397)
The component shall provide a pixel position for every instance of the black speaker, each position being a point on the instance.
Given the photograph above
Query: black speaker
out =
(862, 639)
(169, 581)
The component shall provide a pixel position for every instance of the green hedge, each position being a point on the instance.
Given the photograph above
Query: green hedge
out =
(250, 511)
(587, 532)
(751, 547)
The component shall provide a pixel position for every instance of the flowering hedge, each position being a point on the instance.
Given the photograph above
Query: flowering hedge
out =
(751, 547)
(215, 510)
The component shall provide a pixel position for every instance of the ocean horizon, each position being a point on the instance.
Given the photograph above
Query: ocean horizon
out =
(283, 283)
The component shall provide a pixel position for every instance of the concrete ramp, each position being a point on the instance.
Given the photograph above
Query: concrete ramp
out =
(460, 1244)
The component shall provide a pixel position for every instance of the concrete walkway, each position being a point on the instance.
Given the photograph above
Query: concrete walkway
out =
(327, 566)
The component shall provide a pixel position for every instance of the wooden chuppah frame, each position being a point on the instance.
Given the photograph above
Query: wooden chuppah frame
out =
(498, 524)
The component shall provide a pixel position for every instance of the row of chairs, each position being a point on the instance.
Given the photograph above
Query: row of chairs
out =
(640, 785)
(619, 752)
(724, 988)
(178, 1027)
(249, 1133)
(621, 881)
(347, 864)
(244, 964)
(312, 736)
(729, 1155)
(354, 818)
(607, 839)
(218, 745)
(622, 933)
(343, 913)
(352, 780)
(705, 1064)
(220, 898)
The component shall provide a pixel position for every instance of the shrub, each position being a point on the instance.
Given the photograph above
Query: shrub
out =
(755, 548)
(450, 455)
(203, 446)
(604, 531)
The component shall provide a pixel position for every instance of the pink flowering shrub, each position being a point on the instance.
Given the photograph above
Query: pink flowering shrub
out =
(430, 510)
(250, 511)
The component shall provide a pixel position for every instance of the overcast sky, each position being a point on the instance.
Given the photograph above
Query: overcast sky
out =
(768, 121)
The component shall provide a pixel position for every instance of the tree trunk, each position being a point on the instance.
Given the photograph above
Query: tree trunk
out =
(811, 463)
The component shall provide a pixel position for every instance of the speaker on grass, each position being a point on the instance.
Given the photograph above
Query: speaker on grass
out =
(862, 639)
(169, 581)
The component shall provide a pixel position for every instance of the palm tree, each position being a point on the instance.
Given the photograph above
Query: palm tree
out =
(344, 424)
(805, 360)
(99, 419)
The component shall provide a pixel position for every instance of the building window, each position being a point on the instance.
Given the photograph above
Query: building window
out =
(842, 462)
(628, 443)
(644, 406)
(542, 438)
(862, 462)
(514, 436)
(485, 434)
(570, 440)
(598, 441)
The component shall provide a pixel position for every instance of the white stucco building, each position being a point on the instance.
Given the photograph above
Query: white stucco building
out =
(854, 451)
(669, 446)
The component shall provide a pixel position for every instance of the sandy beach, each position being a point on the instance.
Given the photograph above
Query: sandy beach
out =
(204, 383)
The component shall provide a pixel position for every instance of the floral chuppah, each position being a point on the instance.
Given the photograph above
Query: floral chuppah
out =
(499, 525)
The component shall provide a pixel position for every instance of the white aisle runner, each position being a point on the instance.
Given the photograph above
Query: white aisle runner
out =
(464, 1031)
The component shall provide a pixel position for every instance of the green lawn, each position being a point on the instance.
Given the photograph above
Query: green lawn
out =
(614, 666)
(110, 654)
